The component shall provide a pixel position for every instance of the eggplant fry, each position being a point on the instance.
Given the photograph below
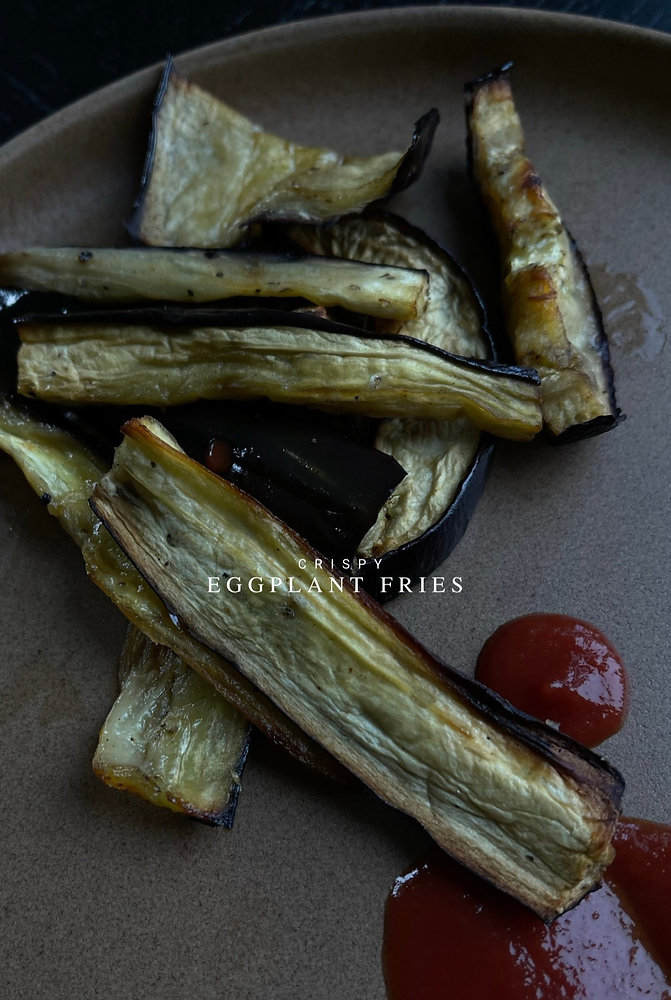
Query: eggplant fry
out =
(446, 461)
(170, 738)
(334, 368)
(210, 172)
(133, 274)
(62, 471)
(519, 803)
(552, 316)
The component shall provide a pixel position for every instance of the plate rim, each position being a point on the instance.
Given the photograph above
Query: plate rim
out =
(531, 19)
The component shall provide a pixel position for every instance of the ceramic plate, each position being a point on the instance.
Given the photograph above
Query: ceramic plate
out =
(111, 897)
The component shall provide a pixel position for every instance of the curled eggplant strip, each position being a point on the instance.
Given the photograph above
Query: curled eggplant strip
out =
(341, 371)
(59, 468)
(210, 172)
(436, 455)
(552, 316)
(518, 802)
(62, 471)
(129, 275)
(170, 738)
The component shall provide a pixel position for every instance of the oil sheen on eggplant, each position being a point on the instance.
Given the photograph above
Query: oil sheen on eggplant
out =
(516, 801)
(446, 461)
(552, 316)
(210, 172)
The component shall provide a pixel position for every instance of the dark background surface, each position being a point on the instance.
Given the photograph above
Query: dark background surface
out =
(53, 53)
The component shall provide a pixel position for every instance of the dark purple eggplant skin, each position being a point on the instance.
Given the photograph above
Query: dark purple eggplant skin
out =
(408, 172)
(315, 471)
(416, 558)
(602, 423)
(561, 750)
(420, 146)
(226, 818)
(170, 316)
(420, 556)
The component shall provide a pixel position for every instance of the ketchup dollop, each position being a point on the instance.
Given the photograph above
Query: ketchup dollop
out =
(560, 669)
(448, 934)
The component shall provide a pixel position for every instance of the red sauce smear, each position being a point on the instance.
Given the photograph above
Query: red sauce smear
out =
(448, 934)
(219, 457)
(561, 669)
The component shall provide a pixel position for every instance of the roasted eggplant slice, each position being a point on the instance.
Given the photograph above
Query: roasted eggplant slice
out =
(446, 461)
(552, 316)
(297, 360)
(170, 738)
(62, 471)
(210, 172)
(518, 802)
(130, 275)
(59, 468)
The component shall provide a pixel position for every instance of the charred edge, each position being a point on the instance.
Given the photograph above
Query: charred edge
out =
(561, 751)
(569, 756)
(420, 556)
(602, 346)
(134, 224)
(227, 816)
(590, 428)
(239, 319)
(490, 76)
(470, 91)
(412, 164)
(602, 423)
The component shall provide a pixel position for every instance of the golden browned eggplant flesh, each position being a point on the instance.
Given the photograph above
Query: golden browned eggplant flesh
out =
(210, 172)
(516, 801)
(552, 316)
(170, 737)
(420, 516)
(334, 368)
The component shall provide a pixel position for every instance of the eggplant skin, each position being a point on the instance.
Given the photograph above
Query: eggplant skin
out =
(446, 461)
(210, 173)
(62, 470)
(297, 360)
(132, 274)
(520, 803)
(552, 316)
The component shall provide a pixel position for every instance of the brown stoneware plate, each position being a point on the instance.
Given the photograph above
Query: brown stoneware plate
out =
(107, 896)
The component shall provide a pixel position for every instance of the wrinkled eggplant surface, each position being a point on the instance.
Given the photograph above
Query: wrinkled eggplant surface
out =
(131, 275)
(552, 316)
(446, 461)
(521, 804)
(298, 360)
(210, 172)
(62, 471)
(170, 738)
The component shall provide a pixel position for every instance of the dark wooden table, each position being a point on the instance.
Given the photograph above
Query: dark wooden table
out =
(53, 53)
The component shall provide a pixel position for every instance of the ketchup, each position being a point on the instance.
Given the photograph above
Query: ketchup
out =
(559, 669)
(219, 457)
(449, 934)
